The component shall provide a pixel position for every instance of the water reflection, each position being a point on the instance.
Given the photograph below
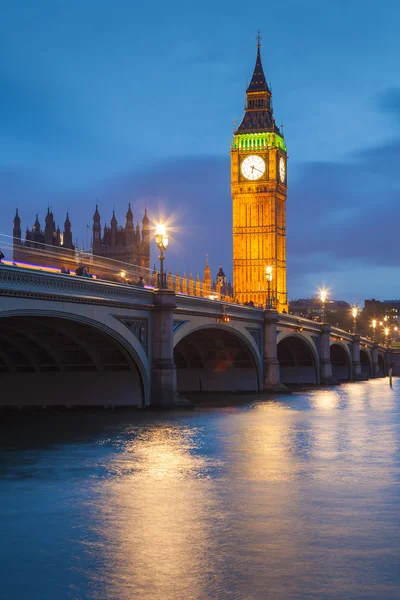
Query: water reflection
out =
(286, 499)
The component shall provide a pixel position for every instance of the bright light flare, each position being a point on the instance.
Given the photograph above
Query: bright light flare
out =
(323, 294)
(374, 322)
(161, 237)
(354, 312)
(161, 229)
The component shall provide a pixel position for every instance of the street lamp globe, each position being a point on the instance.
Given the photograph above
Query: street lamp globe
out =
(161, 237)
(161, 240)
(374, 323)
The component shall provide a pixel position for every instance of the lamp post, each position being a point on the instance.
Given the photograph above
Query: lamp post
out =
(386, 335)
(354, 312)
(161, 240)
(323, 295)
(268, 276)
(374, 329)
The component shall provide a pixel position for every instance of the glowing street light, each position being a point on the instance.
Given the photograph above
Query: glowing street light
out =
(323, 294)
(374, 327)
(161, 239)
(268, 276)
(386, 335)
(354, 312)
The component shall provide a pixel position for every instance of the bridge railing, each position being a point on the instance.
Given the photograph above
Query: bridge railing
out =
(14, 280)
(219, 309)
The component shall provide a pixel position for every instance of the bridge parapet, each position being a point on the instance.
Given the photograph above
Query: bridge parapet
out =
(215, 308)
(15, 281)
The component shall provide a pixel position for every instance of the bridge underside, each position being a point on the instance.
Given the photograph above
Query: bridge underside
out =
(296, 362)
(48, 361)
(366, 367)
(341, 370)
(211, 360)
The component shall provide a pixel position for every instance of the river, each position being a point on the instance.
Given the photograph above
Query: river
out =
(290, 498)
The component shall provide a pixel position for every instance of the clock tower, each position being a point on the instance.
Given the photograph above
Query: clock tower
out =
(259, 186)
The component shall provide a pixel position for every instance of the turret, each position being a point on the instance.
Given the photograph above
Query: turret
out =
(191, 284)
(17, 230)
(129, 229)
(36, 227)
(138, 234)
(207, 278)
(96, 231)
(145, 246)
(49, 228)
(198, 285)
(184, 283)
(67, 237)
(177, 282)
(114, 226)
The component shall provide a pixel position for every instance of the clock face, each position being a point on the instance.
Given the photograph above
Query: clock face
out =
(253, 167)
(282, 169)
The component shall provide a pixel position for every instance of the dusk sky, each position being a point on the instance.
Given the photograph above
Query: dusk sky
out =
(111, 101)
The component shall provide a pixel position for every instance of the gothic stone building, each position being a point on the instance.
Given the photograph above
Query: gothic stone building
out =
(128, 244)
(51, 247)
(48, 246)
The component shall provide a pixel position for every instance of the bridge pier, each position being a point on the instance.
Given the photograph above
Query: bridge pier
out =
(355, 355)
(271, 364)
(375, 361)
(163, 372)
(325, 355)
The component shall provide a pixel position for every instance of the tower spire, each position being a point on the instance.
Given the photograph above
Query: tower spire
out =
(258, 117)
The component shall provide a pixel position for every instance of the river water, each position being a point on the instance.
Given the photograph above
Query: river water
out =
(287, 498)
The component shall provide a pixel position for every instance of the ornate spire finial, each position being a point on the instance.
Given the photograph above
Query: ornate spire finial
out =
(259, 38)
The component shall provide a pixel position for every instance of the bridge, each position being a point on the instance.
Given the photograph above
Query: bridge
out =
(72, 341)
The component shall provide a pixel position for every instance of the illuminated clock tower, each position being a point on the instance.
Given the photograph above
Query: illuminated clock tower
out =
(259, 186)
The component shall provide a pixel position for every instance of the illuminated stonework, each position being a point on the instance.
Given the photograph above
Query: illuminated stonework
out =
(259, 203)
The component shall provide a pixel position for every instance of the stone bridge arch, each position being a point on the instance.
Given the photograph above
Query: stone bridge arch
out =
(64, 358)
(341, 361)
(366, 363)
(212, 357)
(298, 360)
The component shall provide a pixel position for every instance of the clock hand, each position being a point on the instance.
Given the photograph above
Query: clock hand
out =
(257, 169)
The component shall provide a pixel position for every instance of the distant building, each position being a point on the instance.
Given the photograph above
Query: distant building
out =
(377, 308)
(311, 308)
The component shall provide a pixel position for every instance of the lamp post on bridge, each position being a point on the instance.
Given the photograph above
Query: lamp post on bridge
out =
(161, 240)
(354, 312)
(268, 275)
(323, 295)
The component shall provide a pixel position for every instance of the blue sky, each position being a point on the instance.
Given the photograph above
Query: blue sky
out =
(112, 101)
